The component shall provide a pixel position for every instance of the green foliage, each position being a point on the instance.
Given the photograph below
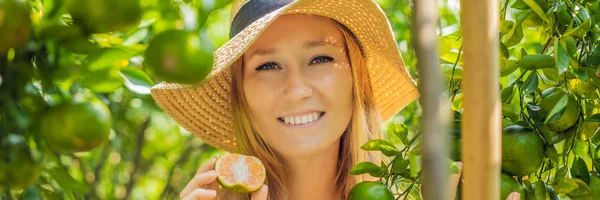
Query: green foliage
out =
(63, 56)
(76, 117)
(549, 67)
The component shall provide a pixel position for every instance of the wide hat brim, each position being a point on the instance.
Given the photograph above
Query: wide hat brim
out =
(205, 109)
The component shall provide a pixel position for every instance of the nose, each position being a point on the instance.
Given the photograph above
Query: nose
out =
(297, 87)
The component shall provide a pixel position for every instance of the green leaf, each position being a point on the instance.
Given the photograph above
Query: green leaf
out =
(109, 58)
(445, 44)
(564, 185)
(136, 80)
(374, 145)
(540, 190)
(551, 193)
(453, 166)
(562, 172)
(505, 26)
(136, 37)
(508, 67)
(514, 36)
(504, 51)
(53, 8)
(507, 94)
(65, 180)
(519, 4)
(561, 57)
(582, 188)
(579, 31)
(581, 74)
(388, 150)
(31, 193)
(364, 167)
(537, 9)
(103, 81)
(536, 61)
(415, 164)
(510, 111)
(401, 131)
(593, 118)
(556, 110)
(579, 170)
(531, 83)
(535, 112)
(400, 165)
(523, 53)
(49, 195)
(458, 102)
(552, 154)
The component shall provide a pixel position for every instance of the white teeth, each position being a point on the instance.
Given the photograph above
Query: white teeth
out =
(304, 119)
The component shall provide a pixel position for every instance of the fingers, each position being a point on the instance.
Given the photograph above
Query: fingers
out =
(514, 196)
(200, 181)
(261, 194)
(200, 194)
(454, 180)
(209, 165)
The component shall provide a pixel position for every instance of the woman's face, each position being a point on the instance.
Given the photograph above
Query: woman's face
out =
(298, 84)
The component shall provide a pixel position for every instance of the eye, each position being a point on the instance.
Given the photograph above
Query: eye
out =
(321, 59)
(267, 66)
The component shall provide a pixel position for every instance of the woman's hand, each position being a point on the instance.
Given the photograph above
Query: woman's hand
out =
(204, 185)
(455, 179)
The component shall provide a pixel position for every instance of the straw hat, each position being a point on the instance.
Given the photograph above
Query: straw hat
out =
(205, 109)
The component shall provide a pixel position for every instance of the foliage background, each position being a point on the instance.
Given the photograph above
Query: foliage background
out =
(149, 156)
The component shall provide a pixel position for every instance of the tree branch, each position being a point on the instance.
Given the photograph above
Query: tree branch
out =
(184, 157)
(137, 157)
(99, 166)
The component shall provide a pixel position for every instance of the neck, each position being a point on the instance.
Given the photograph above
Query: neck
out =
(313, 176)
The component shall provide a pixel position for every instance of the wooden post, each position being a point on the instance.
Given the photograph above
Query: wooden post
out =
(435, 172)
(481, 125)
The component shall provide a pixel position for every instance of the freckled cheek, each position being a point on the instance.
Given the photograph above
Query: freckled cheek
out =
(336, 76)
(259, 97)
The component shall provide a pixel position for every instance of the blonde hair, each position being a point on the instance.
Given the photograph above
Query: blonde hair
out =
(364, 125)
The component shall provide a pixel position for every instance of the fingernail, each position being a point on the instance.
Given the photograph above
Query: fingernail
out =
(212, 171)
(212, 192)
(515, 196)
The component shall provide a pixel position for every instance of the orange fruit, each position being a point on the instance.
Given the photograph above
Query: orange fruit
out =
(76, 126)
(370, 190)
(15, 24)
(523, 151)
(240, 173)
(570, 115)
(101, 16)
(179, 56)
(20, 165)
(509, 185)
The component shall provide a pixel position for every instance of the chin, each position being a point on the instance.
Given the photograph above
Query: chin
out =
(305, 147)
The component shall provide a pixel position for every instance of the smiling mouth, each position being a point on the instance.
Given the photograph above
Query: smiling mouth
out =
(302, 119)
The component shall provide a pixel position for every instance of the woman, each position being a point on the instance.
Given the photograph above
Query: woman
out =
(301, 85)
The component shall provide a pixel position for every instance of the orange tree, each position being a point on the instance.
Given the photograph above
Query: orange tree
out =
(550, 76)
(76, 117)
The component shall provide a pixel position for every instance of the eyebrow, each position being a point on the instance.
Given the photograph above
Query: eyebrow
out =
(307, 45)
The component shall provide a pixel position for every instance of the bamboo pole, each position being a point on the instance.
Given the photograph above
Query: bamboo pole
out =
(481, 125)
(435, 172)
